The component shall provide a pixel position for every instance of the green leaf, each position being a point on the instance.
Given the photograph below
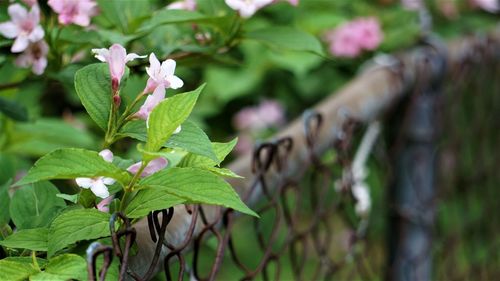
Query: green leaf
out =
(44, 135)
(288, 38)
(135, 129)
(70, 163)
(77, 225)
(71, 198)
(196, 186)
(223, 172)
(167, 116)
(35, 205)
(148, 200)
(63, 267)
(192, 139)
(93, 86)
(13, 110)
(221, 151)
(32, 239)
(29, 260)
(13, 270)
(4, 203)
(173, 16)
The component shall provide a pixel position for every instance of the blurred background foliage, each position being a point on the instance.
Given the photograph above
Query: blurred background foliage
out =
(245, 62)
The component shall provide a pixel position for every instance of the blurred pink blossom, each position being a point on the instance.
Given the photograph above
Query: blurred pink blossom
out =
(351, 38)
(412, 4)
(492, 6)
(267, 114)
(74, 11)
(189, 5)
(24, 26)
(247, 8)
(116, 57)
(35, 56)
(103, 206)
(98, 185)
(153, 166)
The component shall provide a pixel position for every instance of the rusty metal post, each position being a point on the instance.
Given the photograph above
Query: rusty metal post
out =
(414, 190)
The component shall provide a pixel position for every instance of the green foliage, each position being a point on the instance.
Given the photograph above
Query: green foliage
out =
(72, 163)
(195, 186)
(282, 37)
(32, 239)
(35, 205)
(63, 267)
(169, 115)
(75, 225)
(14, 110)
(14, 270)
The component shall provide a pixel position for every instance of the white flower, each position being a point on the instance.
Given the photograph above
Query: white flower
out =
(246, 8)
(98, 185)
(161, 75)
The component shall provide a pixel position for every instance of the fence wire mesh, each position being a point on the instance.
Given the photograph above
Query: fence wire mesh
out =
(315, 229)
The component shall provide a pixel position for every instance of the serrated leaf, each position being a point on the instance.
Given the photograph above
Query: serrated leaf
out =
(148, 200)
(35, 205)
(76, 225)
(13, 110)
(221, 151)
(13, 270)
(288, 38)
(32, 239)
(135, 129)
(93, 86)
(192, 139)
(63, 267)
(167, 116)
(196, 186)
(70, 163)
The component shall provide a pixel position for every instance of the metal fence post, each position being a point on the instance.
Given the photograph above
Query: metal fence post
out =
(412, 210)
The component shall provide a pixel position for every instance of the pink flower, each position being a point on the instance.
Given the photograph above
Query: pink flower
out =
(351, 38)
(492, 6)
(161, 77)
(74, 11)
(98, 185)
(23, 26)
(412, 4)
(246, 8)
(370, 35)
(116, 57)
(153, 166)
(35, 56)
(189, 5)
(103, 206)
(151, 102)
(267, 114)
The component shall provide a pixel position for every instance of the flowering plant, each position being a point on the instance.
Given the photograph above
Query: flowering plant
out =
(102, 105)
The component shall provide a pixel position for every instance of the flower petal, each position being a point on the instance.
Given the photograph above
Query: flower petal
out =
(9, 29)
(175, 82)
(17, 13)
(108, 181)
(168, 67)
(133, 56)
(101, 54)
(37, 34)
(39, 66)
(100, 189)
(117, 56)
(107, 155)
(84, 182)
(56, 5)
(20, 44)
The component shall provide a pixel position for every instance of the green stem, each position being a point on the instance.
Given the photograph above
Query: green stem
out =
(35, 262)
(127, 115)
(128, 189)
(111, 130)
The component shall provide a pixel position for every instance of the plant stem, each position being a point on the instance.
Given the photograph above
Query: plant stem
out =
(127, 116)
(128, 189)
(35, 262)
